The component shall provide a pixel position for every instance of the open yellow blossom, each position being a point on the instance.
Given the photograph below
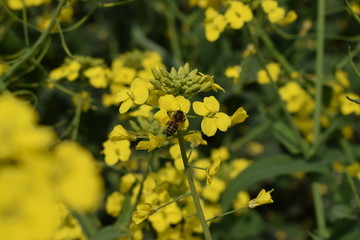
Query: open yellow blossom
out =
(297, 99)
(237, 14)
(233, 72)
(212, 170)
(120, 133)
(154, 142)
(213, 119)
(138, 94)
(169, 104)
(239, 116)
(215, 24)
(115, 151)
(142, 212)
(262, 198)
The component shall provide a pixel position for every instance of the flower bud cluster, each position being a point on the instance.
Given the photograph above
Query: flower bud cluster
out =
(181, 82)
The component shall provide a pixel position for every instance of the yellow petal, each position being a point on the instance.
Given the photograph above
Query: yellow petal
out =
(122, 96)
(208, 126)
(126, 105)
(200, 109)
(239, 116)
(162, 116)
(212, 104)
(140, 91)
(167, 102)
(222, 121)
(183, 103)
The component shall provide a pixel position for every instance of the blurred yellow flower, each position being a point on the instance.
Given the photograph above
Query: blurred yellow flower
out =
(138, 94)
(233, 72)
(114, 203)
(115, 151)
(213, 119)
(215, 24)
(296, 98)
(262, 198)
(342, 78)
(213, 192)
(98, 76)
(142, 212)
(347, 107)
(237, 14)
(274, 71)
(79, 182)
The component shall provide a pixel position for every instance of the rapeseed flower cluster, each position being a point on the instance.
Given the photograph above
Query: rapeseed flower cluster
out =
(234, 14)
(20, 4)
(40, 181)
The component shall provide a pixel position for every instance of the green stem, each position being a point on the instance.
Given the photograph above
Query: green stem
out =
(319, 211)
(320, 38)
(175, 200)
(227, 213)
(173, 35)
(32, 51)
(192, 187)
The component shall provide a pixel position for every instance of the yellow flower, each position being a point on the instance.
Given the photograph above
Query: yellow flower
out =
(242, 199)
(233, 72)
(154, 142)
(138, 94)
(169, 104)
(347, 107)
(296, 98)
(290, 17)
(274, 71)
(213, 192)
(221, 153)
(126, 182)
(250, 50)
(238, 165)
(115, 151)
(18, 130)
(262, 198)
(195, 139)
(79, 182)
(175, 153)
(215, 24)
(239, 116)
(120, 133)
(237, 14)
(142, 212)
(213, 119)
(143, 111)
(114, 203)
(212, 170)
(98, 76)
(342, 78)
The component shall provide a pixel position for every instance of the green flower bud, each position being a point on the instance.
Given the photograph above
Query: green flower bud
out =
(155, 83)
(156, 74)
(181, 72)
(206, 86)
(163, 72)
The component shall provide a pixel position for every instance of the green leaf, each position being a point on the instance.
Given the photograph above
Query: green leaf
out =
(109, 233)
(264, 169)
(286, 136)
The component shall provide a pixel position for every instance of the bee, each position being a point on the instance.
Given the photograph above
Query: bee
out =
(176, 120)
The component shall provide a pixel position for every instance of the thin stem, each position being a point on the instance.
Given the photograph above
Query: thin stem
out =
(227, 213)
(175, 200)
(192, 187)
(319, 210)
(320, 38)
(174, 38)
(36, 47)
